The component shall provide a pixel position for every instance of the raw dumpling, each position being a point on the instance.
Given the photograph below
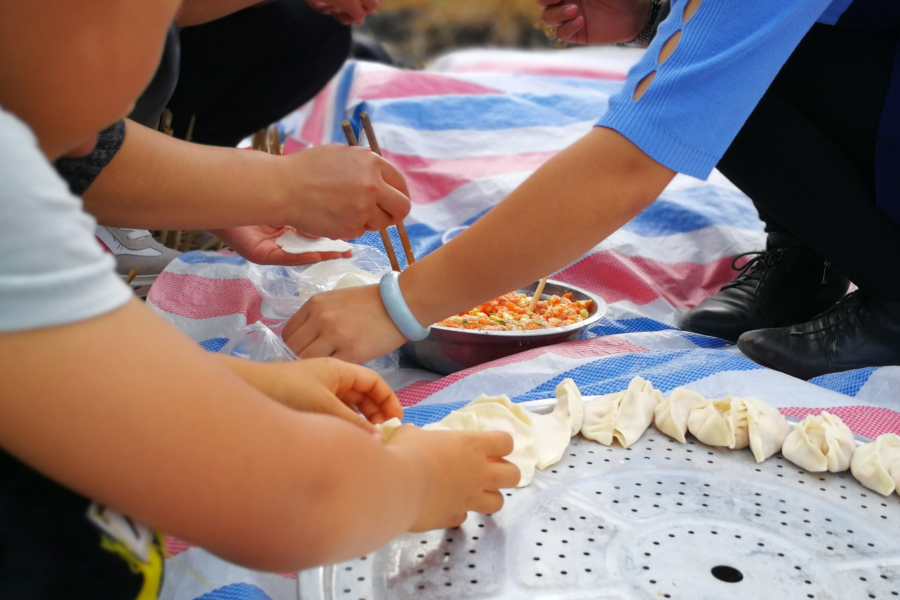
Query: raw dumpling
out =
(623, 416)
(820, 443)
(877, 465)
(497, 413)
(671, 415)
(766, 427)
(387, 428)
(552, 432)
(720, 423)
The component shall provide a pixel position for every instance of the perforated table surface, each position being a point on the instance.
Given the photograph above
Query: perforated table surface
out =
(658, 520)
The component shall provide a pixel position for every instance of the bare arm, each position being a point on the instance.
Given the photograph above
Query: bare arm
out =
(168, 435)
(157, 182)
(570, 204)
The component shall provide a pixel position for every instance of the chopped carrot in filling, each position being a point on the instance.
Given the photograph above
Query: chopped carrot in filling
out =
(510, 313)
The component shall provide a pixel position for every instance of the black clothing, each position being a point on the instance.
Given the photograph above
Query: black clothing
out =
(248, 69)
(807, 154)
(56, 544)
(80, 173)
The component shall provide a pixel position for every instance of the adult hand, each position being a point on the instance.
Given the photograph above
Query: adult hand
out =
(596, 21)
(333, 387)
(348, 12)
(341, 192)
(257, 244)
(349, 324)
(465, 471)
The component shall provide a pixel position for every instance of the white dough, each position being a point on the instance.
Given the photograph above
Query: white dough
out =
(553, 431)
(877, 465)
(292, 243)
(721, 423)
(623, 416)
(387, 428)
(539, 441)
(820, 443)
(671, 415)
(766, 427)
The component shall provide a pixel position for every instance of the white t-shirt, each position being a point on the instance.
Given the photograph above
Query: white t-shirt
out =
(52, 270)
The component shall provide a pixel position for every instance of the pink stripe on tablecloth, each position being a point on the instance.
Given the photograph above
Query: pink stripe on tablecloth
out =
(614, 277)
(431, 179)
(520, 68)
(395, 84)
(867, 421)
(594, 347)
(196, 297)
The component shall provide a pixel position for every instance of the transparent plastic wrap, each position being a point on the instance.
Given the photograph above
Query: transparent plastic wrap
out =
(258, 342)
(286, 289)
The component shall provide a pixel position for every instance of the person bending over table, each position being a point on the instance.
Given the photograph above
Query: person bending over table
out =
(237, 66)
(803, 117)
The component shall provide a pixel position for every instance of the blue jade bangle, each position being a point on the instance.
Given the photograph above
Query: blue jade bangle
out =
(398, 309)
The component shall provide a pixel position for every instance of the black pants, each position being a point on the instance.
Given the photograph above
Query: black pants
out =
(806, 155)
(242, 72)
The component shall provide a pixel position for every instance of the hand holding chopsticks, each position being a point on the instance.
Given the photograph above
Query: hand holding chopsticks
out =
(401, 230)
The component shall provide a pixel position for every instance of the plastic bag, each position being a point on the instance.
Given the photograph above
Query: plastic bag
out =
(258, 342)
(286, 289)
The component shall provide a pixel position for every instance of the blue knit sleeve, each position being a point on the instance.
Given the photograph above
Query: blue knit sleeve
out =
(729, 53)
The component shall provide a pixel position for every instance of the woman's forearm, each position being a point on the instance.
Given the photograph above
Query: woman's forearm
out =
(577, 199)
(158, 182)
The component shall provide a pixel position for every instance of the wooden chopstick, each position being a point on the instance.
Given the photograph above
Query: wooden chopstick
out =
(373, 144)
(537, 295)
(385, 238)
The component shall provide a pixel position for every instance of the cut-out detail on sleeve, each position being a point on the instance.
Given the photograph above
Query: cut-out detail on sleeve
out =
(669, 47)
(690, 10)
(643, 85)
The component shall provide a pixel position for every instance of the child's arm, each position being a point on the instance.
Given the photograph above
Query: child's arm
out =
(570, 204)
(162, 431)
(322, 385)
(157, 182)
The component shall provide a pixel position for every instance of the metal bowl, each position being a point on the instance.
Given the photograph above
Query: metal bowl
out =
(447, 350)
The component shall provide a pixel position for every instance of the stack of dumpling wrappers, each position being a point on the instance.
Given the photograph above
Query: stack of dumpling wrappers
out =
(818, 443)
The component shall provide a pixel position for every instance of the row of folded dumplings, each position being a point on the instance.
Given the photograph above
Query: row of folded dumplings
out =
(818, 443)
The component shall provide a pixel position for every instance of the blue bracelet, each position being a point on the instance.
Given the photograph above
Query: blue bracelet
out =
(398, 310)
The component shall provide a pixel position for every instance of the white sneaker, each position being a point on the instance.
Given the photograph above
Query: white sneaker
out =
(136, 249)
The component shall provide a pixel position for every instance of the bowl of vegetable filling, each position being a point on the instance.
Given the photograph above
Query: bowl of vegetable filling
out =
(505, 326)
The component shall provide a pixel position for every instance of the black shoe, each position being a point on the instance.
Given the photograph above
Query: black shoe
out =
(786, 284)
(857, 332)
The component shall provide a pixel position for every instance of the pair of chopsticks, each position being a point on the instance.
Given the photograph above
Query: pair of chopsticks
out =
(401, 230)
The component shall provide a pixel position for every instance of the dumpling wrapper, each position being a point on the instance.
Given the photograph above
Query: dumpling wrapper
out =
(292, 243)
(671, 415)
(623, 416)
(387, 428)
(767, 428)
(553, 432)
(819, 443)
(497, 413)
(721, 423)
(877, 465)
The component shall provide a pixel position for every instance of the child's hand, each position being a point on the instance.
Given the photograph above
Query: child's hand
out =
(349, 324)
(341, 192)
(596, 21)
(324, 385)
(465, 469)
(257, 244)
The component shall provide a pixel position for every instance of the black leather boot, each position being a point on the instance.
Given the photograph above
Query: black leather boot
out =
(786, 284)
(857, 332)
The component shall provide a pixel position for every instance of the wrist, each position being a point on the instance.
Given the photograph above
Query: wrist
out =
(416, 470)
(398, 309)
